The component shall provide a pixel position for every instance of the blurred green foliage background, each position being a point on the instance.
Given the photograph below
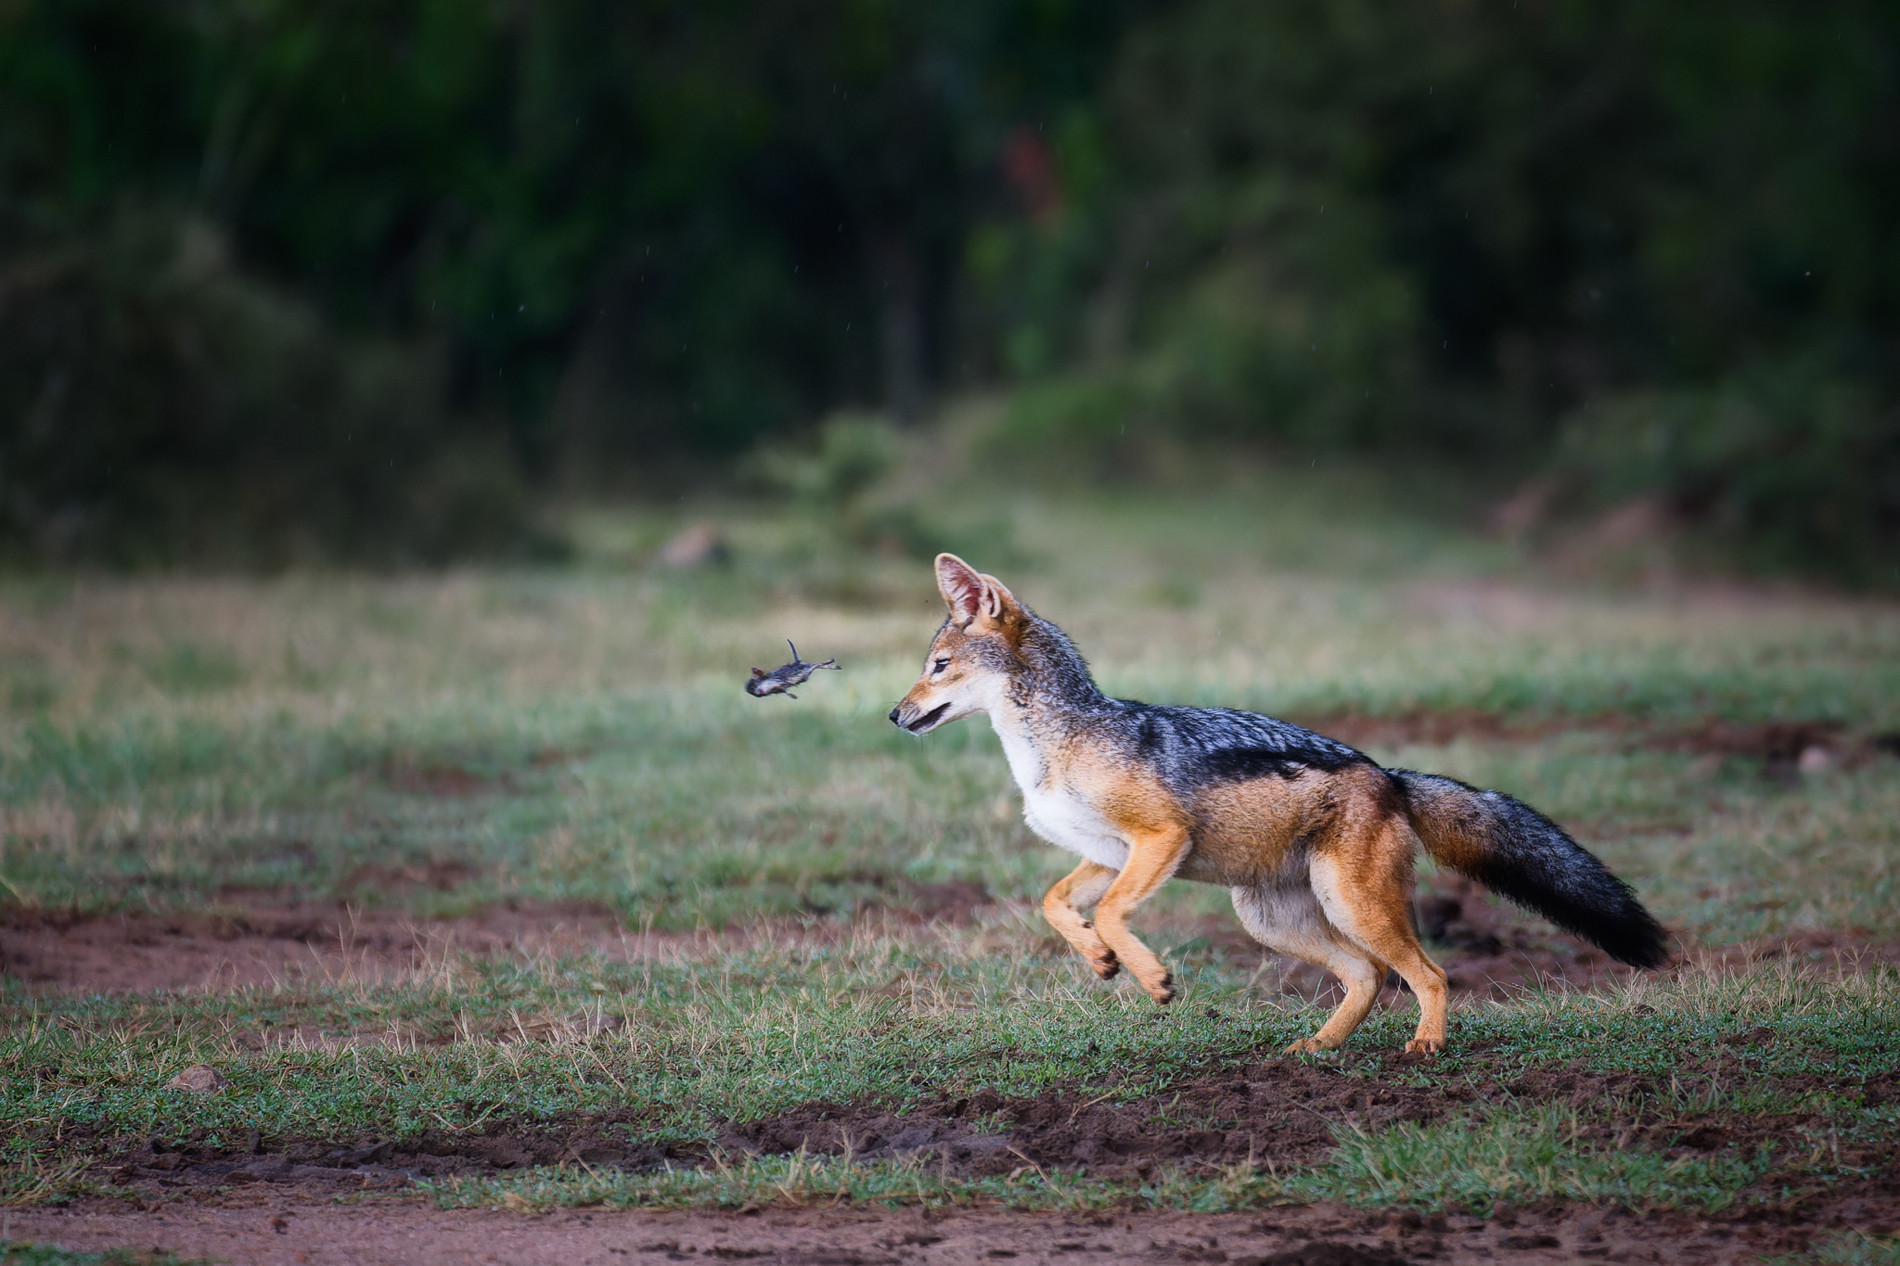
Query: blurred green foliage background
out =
(288, 281)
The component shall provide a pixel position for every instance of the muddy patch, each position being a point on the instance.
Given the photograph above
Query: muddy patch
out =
(141, 952)
(1845, 950)
(1289, 1112)
(262, 1223)
(370, 1232)
(1283, 1111)
(955, 902)
(1781, 749)
(160, 1169)
(264, 944)
(445, 778)
(375, 880)
(446, 781)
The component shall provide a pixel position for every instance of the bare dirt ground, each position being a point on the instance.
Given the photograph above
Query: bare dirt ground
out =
(269, 1229)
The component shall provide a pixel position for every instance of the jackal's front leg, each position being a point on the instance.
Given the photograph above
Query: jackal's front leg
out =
(1063, 905)
(1153, 857)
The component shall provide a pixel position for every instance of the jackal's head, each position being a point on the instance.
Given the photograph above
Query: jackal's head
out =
(970, 661)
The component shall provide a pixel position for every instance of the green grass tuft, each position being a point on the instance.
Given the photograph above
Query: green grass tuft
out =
(1511, 1157)
(12, 1254)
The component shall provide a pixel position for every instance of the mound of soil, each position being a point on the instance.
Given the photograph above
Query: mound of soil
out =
(311, 1166)
(1279, 1111)
(1282, 1111)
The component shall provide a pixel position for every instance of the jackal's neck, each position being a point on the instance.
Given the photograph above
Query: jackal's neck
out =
(1053, 682)
(1050, 696)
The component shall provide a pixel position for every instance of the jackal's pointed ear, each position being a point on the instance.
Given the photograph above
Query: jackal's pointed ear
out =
(996, 597)
(961, 587)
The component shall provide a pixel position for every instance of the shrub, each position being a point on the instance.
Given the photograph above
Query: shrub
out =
(171, 408)
(1787, 463)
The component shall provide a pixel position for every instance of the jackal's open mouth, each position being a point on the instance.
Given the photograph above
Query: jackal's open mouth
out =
(924, 723)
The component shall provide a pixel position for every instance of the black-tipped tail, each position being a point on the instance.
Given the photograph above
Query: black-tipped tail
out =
(1520, 854)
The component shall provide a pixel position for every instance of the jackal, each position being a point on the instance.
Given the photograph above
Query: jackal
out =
(1314, 839)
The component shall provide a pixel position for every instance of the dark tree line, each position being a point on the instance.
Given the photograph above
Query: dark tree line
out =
(312, 278)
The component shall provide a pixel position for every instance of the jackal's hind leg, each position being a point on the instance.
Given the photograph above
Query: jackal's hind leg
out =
(1371, 904)
(1064, 904)
(1288, 920)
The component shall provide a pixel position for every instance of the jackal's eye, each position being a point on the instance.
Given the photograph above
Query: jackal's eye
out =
(939, 667)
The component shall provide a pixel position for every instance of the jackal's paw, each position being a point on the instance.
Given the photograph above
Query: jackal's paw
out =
(1305, 1046)
(1425, 1046)
(1105, 964)
(1162, 993)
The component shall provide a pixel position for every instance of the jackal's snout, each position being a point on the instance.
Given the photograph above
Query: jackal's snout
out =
(916, 718)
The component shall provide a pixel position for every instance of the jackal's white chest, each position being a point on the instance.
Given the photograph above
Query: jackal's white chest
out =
(1057, 813)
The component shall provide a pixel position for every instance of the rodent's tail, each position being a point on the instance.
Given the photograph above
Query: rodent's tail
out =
(1519, 853)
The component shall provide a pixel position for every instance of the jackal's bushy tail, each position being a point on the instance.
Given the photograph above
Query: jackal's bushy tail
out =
(1519, 853)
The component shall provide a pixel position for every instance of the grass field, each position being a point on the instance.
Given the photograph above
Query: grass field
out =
(492, 889)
